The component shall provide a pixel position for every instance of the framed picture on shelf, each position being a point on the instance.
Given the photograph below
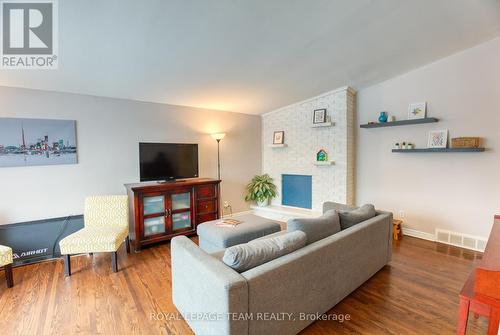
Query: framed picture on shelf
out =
(417, 110)
(279, 137)
(319, 116)
(438, 139)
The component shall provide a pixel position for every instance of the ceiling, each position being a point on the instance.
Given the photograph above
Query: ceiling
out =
(250, 56)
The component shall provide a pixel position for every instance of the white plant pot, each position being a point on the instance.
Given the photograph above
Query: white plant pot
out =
(264, 203)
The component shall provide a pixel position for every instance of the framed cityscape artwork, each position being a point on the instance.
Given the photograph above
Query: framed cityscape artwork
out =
(28, 142)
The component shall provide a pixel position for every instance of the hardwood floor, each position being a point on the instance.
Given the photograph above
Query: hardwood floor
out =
(416, 294)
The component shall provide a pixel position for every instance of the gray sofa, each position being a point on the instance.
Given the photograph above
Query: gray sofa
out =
(215, 299)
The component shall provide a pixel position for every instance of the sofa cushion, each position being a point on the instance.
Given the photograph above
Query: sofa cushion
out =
(329, 205)
(279, 233)
(316, 228)
(94, 239)
(349, 218)
(243, 257)
(220, 254)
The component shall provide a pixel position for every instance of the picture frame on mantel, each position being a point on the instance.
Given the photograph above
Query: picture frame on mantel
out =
(279, 137)
(319, 116)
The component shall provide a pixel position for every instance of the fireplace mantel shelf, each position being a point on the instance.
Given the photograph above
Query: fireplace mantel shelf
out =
(283, 213)
(327, 163)
(322, 125)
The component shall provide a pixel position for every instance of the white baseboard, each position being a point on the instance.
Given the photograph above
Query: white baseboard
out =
(419, 234)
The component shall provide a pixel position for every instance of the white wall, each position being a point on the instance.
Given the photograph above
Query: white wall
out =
(458, 192)
(108, 133)
(329, 183)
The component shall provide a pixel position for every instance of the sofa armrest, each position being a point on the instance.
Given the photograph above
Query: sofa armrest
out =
(387, 218)
(206, 291)
(384, 222)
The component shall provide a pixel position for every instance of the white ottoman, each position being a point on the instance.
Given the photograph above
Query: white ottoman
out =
(213, 238)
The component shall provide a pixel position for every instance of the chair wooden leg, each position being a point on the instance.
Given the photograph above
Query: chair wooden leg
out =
(67, 265)
(114, 261)
(127, 244)
(8, 275)
(463, 315)
(494, 321)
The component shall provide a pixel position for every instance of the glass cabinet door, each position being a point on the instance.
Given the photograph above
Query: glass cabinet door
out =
(154, 209)
(181, 201)
(181, 211)
(153, 226)
(154, 204)
(181, 221)
(167, 213)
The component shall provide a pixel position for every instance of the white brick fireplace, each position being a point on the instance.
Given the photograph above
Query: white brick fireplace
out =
(329, 182)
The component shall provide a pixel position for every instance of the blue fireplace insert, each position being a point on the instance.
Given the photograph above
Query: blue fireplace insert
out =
(296, 190)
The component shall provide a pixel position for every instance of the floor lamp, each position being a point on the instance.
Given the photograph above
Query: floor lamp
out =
(218, 137)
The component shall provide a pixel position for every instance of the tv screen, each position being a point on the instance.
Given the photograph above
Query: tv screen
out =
(168, 161)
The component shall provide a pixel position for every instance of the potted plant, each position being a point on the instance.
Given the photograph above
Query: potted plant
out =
(261, 189)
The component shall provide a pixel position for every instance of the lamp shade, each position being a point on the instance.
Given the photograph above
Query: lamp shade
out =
(218, 136)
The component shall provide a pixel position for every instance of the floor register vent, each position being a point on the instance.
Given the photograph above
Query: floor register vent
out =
(461, 240)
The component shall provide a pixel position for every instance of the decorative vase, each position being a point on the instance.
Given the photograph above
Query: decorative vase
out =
(263, 203)
(383, 117)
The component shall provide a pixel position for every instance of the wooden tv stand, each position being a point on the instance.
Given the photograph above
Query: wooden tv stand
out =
(160, 211)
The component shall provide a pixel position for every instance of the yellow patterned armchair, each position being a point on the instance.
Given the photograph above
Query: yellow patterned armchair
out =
(6, 263)
(105, 229)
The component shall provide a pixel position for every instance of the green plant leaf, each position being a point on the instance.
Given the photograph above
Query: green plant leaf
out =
(260, 188)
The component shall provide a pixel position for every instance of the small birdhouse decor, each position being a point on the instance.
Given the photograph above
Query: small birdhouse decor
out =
(322, 156)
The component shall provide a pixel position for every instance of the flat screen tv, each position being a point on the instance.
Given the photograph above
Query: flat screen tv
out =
(168, 161)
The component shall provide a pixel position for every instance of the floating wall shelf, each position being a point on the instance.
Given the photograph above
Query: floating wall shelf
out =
(439, 150)
(399, 123)
(327, 163)
(277, 145)
(322, 125)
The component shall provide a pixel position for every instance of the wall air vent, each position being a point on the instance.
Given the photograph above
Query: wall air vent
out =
(442, 236)
(461, 240)
(481, 244)
(469, 243)
(456, 239)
